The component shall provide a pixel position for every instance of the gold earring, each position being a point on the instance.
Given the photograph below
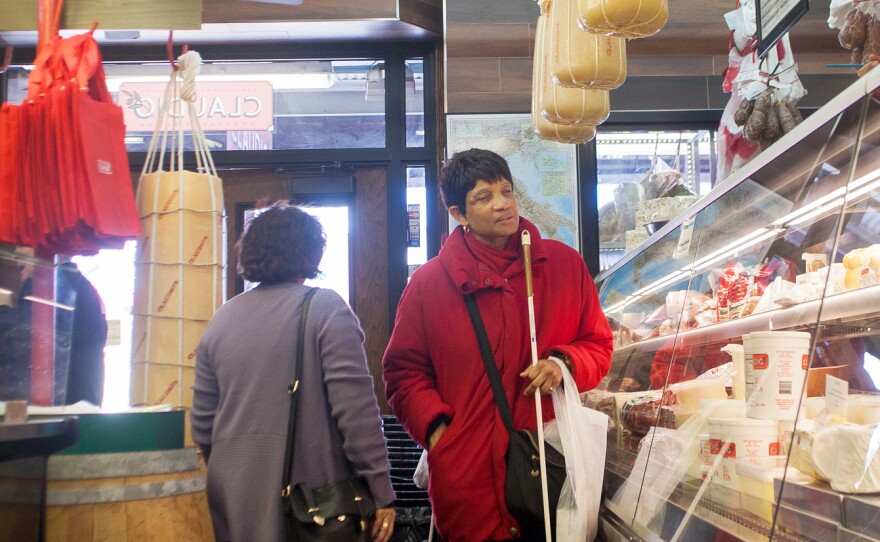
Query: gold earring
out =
(467, 227)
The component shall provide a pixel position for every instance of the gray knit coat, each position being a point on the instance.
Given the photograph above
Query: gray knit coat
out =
(240, 407)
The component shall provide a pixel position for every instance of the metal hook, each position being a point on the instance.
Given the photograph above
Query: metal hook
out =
(170, 49)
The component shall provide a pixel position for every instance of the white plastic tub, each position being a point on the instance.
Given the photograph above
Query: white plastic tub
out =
(778, 362)
(745, 437)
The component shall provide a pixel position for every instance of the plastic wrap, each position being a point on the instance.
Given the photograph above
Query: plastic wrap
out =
(543, 128)
(583, 59)
(623, 18)
(844, 454)
(746, 77)
(558, 104)
(640, 414)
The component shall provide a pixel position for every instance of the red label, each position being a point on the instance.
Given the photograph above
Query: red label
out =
(714, 446)
(731, 451)
(760, 361)
(774, 448)
(805, 361)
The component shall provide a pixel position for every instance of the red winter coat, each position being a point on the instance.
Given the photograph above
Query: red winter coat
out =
(432, 367)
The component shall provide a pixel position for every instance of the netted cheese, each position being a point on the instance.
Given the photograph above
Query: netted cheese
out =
(580, 58)
(558, 104)
(623, 18)
(561, 133)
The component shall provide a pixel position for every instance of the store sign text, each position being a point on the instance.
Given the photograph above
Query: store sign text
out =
(219, 106)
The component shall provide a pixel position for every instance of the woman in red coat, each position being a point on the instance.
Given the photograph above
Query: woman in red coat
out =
(434, 376)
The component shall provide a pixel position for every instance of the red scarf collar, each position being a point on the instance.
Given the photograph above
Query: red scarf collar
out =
(473, 265)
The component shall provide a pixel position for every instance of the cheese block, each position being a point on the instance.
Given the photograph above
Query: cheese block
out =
(583, 59)
(623, 18)
(844, 456)
(558, 104)
(543, 128)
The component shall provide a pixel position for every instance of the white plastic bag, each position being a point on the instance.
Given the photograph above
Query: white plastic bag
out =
(420, 476)
(582, 431)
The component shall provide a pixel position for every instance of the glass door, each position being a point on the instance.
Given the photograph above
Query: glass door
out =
(335, 268)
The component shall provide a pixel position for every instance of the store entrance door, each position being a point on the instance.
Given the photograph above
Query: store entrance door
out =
(353, 206)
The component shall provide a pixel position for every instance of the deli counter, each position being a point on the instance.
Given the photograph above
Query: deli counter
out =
(744, 390)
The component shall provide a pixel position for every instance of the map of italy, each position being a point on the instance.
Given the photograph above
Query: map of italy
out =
(544, 172)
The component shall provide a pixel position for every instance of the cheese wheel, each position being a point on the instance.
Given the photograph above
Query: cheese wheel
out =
(580, 58)
(623, 18)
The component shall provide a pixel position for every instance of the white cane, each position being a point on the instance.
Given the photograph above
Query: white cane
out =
(527, 256)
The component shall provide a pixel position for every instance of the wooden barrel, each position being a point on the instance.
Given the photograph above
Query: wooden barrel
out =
(158, 495)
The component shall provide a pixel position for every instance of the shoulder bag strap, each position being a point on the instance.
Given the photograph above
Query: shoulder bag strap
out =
(489, 362)
(293, 388)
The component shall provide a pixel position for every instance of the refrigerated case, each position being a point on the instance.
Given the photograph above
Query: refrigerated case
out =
(706, 445)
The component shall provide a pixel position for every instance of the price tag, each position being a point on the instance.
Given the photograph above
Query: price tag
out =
(836, 391)
(114, 333)
(684, 240)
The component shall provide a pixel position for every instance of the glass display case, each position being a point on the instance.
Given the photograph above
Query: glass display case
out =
(744, 390)
(643, 179)
(37, 302)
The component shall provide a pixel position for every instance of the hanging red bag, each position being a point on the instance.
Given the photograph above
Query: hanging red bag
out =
(74, 192)
(10, 169)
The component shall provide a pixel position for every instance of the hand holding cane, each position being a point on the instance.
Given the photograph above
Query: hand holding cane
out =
(527, 257)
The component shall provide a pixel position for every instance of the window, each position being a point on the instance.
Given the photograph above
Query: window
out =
(416, 210)
(335, 268)
(111, 272)
(244, 106)
(414, 90)
(636, 166)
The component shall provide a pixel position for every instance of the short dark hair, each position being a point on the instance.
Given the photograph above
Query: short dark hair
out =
(283, 243)
(461, 173)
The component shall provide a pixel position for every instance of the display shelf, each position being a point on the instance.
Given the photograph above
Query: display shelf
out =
(28, 439)
(862, 515)
(808, 202)
(838, 311)
(684, 516)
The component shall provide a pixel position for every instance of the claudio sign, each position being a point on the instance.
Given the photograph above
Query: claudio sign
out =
(220, 105)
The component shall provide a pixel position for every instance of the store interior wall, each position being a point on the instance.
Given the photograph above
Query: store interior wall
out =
(489, 48)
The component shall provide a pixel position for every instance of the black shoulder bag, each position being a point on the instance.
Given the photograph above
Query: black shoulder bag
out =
(339, 511)
(522, 485)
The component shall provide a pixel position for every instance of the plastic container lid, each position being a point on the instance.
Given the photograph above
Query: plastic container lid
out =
(750, 422)
(762, 469)
(780, 334)
(728, 408)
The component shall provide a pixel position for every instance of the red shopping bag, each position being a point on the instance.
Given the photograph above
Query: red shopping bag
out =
(71, 191)
(108, 187)
(10, 167)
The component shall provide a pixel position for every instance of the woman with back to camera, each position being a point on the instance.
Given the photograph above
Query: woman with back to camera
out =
(245, 363)
(434, 375)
